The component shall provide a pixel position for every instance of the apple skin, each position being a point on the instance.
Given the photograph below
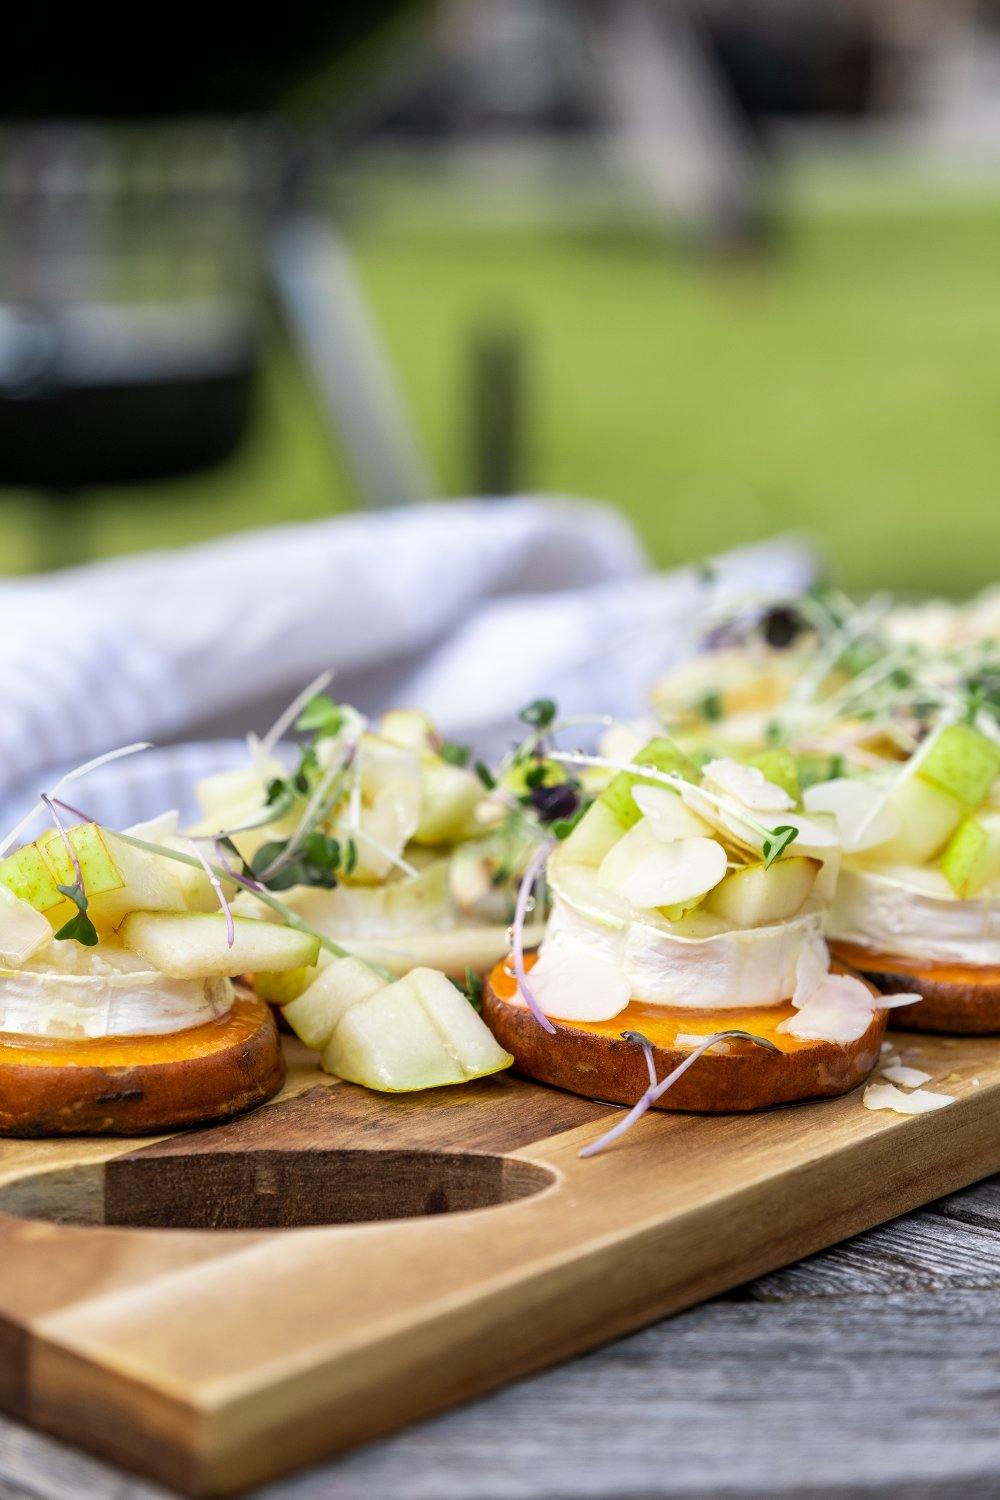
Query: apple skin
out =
(962, 762)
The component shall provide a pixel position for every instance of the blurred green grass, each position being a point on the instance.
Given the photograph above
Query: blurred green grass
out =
(846, 385)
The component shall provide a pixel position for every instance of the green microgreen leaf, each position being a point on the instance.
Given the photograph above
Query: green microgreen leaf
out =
(322, 717)
(350, 857)
(485, 775)
(80, 927)
(710, 708)
(539, 714)
(454, 753)
(473, 988)
(777, 842)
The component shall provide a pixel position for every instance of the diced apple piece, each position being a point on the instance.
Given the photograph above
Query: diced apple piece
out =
(396, 1041)
(316, 1012)
(195, 886)
(760, 897)
(928, 816)
(451, 795)
(117, 878)
(194, 945)
(778, 767)
(23, 930)
(962, 762)
(462, 1029)
(284, 987)
(26, 875)
(662, 755)
(971, 859)
(596, 833)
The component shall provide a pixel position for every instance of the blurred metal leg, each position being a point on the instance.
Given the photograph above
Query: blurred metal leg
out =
(335, 333)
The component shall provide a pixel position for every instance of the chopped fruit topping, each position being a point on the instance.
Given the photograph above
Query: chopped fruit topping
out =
(662, 755)
(189, 945)
(962, 762)
(760, 895)
(971, 858)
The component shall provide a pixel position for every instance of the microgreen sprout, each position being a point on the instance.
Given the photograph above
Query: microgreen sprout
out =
(776, 842)
(79, 927)
(534, 868)
(657, 1090)
(216, 885)
(454, 753)
(473, 988)
(540, 714)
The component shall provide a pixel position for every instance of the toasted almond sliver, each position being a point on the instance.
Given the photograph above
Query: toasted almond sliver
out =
(910, 1078)
(887, 1096)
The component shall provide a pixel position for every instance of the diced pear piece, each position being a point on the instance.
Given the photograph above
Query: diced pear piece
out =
(195, 886)
(451, 795)
(194, 945)
(777, 765)
(410, 728)
(117, 878)
(962, 762)
(284, 987)
(662, 755)
(409, 1035)
(23, 930)
(315, 1014)
(971, 858)
(595, 834)
(928, 816)
(756, 896)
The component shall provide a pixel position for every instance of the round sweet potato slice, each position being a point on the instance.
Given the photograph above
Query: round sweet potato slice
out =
(141, 1085)
(593, 1059)
(963, 998)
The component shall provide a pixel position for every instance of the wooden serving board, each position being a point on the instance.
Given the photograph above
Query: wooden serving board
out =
(443, 1244)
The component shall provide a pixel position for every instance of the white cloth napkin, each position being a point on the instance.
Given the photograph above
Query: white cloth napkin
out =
(467, 609)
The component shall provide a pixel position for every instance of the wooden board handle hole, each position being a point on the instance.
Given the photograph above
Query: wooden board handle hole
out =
(271, 1189)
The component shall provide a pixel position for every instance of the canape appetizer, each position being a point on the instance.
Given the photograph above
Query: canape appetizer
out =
(118, 1010)
(687, 927)
(381, 838)
(917, 905)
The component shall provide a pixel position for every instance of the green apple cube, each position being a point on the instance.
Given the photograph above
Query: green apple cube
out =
(315, 1014)
(26, 875)
(596, 833)
(417, 1033)
(450, 797)
(24, 931)
(285, 986)
(928, 816)
(409, 728)
(778, 767)
(971, 858)
(962, 762)
(759, 896)
(195, 945)
(101, 873)
(662, 755)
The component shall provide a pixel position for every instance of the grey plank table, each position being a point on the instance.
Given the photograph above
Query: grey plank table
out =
(872, 1369)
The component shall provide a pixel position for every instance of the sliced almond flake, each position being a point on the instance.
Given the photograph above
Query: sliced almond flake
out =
(887, 1096)
(910, 1078)
(886, 1047)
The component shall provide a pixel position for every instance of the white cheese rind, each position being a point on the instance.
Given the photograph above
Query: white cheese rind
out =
(88, 994)
(726, 970)
(913, 913)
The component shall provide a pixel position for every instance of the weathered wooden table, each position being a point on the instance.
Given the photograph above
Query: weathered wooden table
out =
(873, 1368)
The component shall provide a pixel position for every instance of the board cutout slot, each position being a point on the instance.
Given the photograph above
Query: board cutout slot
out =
(272, 1189)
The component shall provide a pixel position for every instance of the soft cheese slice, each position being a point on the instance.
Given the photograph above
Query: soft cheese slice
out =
(698, 962)
(914, 913)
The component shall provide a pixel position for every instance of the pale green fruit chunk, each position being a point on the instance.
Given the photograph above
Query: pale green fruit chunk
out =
(649, 872)
(193, 945)
(971, 859)
(962, 762)
(596, 833)
(116, 878)
(410, 728)
(778, 767)
(284, 987)
(662, 755)
(196, 889)
(23, 930)
(928, 816)
(314, 1015)
(451, 795)
(418, 1033)
(760, 897)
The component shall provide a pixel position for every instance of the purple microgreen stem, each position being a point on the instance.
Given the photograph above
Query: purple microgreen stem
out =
(657, 1090)
(285, 720)
(74, 857)
(216, 885)
(534, 869)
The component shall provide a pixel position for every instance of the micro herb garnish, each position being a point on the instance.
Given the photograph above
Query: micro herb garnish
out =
(710, 708)
(454, 753)
(539, 714)
(80, 928)
(773, 732)
(473, 988)
(559, 803)
(485, 775)
(776, 842)
(317, 861)
(350, 857)
(322, 717)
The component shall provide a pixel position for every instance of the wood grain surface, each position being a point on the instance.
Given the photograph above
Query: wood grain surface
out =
(887, 1343)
